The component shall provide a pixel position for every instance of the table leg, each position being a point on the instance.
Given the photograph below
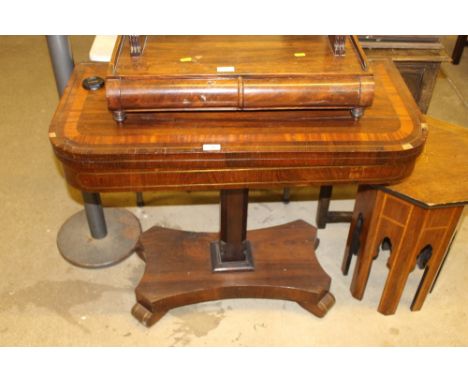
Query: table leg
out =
(140, 201)
(323, 206)
(458, 49)
(234, 221)
(286, 195)
(232, 251)
(325, 216)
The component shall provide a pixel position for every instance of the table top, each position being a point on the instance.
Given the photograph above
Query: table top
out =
(405, 48)
(201, 150)
(408, 55)
(432, 50)
(440, 176)
(247, 55)
(237, 73)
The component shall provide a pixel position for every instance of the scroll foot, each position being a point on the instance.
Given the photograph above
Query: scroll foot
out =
(321, 307)
(145, 316)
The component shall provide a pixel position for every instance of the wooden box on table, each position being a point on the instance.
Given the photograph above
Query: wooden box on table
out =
(160, 73)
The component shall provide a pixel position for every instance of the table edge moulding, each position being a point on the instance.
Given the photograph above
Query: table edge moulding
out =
(261, 149)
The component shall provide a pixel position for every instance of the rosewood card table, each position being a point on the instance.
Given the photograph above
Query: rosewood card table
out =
(233, 152)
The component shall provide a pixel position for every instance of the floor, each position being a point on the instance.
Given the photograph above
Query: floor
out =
(45, 301)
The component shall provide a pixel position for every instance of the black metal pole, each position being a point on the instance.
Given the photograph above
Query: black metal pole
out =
(94, 214)
(62, 60)
(140, 202)
(62, 63)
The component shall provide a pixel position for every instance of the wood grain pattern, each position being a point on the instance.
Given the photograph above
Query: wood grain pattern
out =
(178, 271)
(402, 43)
(338, 45)
(418, 59)
(238, 73)
(420, 213)
(440, 176)
(234, 205)
(256, 149)
(136, 45)
(409, 229)
(248, 54)
(408, 55)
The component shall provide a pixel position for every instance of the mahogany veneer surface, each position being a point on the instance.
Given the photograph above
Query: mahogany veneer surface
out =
(252, 149)
(238, 73)
(178, 270)
(248, 54)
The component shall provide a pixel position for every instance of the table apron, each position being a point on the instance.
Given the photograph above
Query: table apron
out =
(146, 180)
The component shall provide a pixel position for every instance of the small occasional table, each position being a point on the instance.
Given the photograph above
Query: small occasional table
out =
(416, 219)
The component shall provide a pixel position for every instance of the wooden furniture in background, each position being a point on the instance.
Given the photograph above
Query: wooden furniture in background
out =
(457, 53)
(418, 59)
(233, 151)
(416, 219)
(323, 214)
(238, 73)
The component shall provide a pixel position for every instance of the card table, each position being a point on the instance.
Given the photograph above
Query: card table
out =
(233, 151)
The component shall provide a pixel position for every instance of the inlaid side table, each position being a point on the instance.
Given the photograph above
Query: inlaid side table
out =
(416, 219)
